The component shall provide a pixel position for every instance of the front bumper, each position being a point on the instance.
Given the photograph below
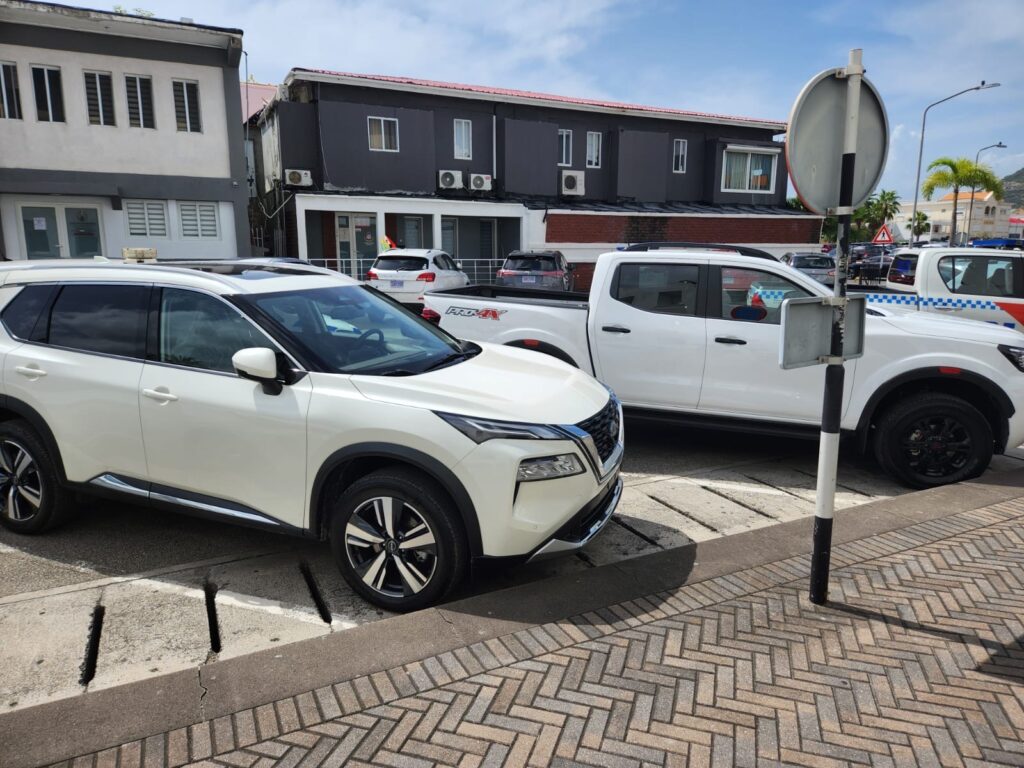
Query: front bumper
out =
(583, 526)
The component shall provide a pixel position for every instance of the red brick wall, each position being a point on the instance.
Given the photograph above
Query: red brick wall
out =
(576, 228)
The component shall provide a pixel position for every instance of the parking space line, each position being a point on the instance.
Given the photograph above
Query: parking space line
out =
(689, 517)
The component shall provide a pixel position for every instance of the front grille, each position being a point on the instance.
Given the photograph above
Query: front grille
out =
(603, 427)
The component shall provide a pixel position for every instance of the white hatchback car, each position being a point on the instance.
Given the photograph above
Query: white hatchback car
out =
(405, 274)
(297, 400)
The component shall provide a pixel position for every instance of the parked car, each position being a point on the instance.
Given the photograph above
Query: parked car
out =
(299, 401)
(546, 270)
(872, 266)
(822, 267)
(406, 274)
(963, 282)
(933, 398)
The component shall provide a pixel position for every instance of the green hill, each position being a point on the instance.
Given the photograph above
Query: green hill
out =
(1014, 186)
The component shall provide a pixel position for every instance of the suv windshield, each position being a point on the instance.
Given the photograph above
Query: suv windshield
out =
(812, 262)
(400, 263)
(353, 329)
(531, 263)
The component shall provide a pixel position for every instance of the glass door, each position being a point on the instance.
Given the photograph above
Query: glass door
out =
(364, 235)
(83, 232)
(42, 239)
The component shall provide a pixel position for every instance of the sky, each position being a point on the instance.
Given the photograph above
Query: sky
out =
(739, 58)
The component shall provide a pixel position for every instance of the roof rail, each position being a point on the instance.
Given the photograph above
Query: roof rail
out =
(740, 249)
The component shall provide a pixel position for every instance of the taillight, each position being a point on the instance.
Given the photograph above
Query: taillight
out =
(428, 277)
(431, 316)
(831, 273)
(371, 275)
(553, 274)
(505, 273)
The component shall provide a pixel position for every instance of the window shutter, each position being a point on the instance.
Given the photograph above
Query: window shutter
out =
(208, 220)
(136, 212)
(131, 85)
(189, 219)
(92, 98)
(179, 106)
(192, 93)
(146, 97)
(156, 219)
(106, 98)
(199, 220)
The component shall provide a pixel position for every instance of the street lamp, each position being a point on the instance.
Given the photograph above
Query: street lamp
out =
(970, 212)
(920, 150)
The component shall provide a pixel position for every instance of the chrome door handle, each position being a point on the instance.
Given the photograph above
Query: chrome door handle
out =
(31, 371)
(160, 396)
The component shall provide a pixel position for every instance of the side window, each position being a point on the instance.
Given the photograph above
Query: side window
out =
(979, 275)
(664, 288)
(109, 319)
(752, 295)
(23, 314)
(201, 331)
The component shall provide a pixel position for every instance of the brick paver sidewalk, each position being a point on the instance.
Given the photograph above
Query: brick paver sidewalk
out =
(917, 661)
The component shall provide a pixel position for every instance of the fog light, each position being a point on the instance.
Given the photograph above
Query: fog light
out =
(549, 467)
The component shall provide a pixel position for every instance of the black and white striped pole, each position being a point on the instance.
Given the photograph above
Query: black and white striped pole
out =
(832, 405)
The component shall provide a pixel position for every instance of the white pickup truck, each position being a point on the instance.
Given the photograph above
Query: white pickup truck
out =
(690, 333)
(975, 283)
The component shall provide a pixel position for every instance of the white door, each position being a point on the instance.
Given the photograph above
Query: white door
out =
(448, 275)
(81, 374)
(212, 434)
(742, 376)
(987, 287)
(61, 231)
(648, 338)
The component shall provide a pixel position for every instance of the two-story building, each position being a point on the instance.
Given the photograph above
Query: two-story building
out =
(344, 159)
(119, 131)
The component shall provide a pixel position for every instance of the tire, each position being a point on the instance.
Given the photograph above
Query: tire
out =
(933, 439)
(33, 500)
(370, 553)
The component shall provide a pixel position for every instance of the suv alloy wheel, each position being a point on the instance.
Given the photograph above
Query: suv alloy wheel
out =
(31, 496)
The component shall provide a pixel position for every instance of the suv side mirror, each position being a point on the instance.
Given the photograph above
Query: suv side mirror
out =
(458, 265)
(258, 364)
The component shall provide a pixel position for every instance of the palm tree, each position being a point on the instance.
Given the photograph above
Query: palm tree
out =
(887, 205)
(920, 224)
(948, 172)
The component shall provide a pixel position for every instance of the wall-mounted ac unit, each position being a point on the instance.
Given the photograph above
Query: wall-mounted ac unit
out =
(572, 183)
(449, 179)
(294, 177)
(480, 182)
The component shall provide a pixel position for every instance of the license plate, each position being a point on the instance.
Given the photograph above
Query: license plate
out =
(529, 279)
(398, 283)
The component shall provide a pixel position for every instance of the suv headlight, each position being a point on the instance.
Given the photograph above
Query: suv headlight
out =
(1014, 354)
(549, 467)
(481, 430)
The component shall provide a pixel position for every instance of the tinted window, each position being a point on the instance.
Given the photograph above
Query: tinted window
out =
(101, 318)
(666, 288)
(904, 267)
(752, 295)
(201, 331)
(812, 262)
(978, 275)
(22, 315)
(532, 263)
(400, 263)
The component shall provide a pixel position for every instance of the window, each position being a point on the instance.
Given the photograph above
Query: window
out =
(463, 140)
(22, 315)
(202, 331)
(146, 218)
(109, 319)
(752, 295)
(186, 106)
(593, 149)
(383, 133)
(979, 275)
(140, 101)
(664, 288)
(749, 171)
(198, 220)
(564, 147)
(10, 95)
(679, 156)
(49, 99)
(413, 228)
(450, 235)
(99, 98)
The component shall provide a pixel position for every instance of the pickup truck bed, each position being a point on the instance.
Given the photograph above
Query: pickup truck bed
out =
(525, 295)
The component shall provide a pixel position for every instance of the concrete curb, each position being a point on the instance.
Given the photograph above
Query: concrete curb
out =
(105, 718)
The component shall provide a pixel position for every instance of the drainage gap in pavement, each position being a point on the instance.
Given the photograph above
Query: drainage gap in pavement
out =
(211, 614)
(92, 645)
(315, 593)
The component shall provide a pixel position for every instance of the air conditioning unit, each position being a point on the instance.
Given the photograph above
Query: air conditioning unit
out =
(572, 183)
(480, 182)
(297, 178)
(449, 179)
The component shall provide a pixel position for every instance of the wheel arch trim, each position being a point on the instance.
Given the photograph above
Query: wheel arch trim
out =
(543, 347)
(25, 411)
(447, 479)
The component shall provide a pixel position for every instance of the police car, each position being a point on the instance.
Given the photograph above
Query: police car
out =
(974, 283)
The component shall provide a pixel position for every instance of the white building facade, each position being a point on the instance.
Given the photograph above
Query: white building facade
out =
(118, 131)
(987, 218)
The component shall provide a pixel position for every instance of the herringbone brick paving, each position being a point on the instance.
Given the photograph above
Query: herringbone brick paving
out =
(917, 661)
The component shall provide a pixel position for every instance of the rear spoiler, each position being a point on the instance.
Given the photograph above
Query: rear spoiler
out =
(740, 249)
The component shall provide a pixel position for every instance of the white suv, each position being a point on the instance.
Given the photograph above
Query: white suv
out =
(405, 274)
(297, 400)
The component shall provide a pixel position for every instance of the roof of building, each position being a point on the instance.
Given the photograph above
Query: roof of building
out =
(965, 195)
(491, 93)
(105, 22)
(255, 96)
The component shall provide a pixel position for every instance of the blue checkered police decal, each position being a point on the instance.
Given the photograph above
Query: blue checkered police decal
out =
(934, 301)
(770, 294)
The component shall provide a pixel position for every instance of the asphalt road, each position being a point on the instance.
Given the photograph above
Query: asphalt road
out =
(160, 592)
